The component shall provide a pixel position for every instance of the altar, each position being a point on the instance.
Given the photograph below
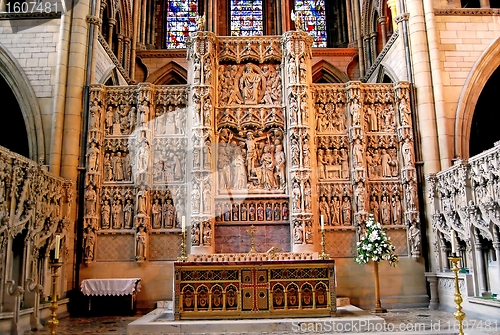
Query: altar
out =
(257, 288)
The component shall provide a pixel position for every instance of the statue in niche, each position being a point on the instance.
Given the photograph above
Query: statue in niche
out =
(141, 238)
(375, 208)
(108, 167)
(109, 120)
(321, 119)
(239, 168)
(284, 211)
(385, 212)
(279, 157)
(117, 214)
(89, 238)
(371, 116)
(307, 196)
(195, 198)
(141, 201)
(396, 209)
(169, 213)
(180, 120)
(324, 210)
(346, 211)
(414, 238)
(358, 153)
(344, 163)
(218, 212)
(298, 233)
(224, 162)
(93, 154)
(252, 153)
(386, 162)
(243, 212)
(260, 212)
(355, 112)
(94, 115)
(276, 211)
(227, 212)
(410, 197)
(292, 70)
(143, 113)
(90, 200)
(294, 147)
(388, 118)
(269, 212)
(266, 173)
(195, 234)
(309, 233)
(128, 211)
(376, 161)
(159, 126)
(142, 156)
(170, 121)
(179, 211)
(173, 165)
(360, 197)
(156, 211)
(296, 196)
(207, 69)
(207, 199)
(249, 85)
(125, 125)
(407, 153)
(207, 155)
(207, 233)
(105, 215)
(251, 212)
(306, 153)
(335, 208)
(118, 173)
(302, 70)
(321, 164)
(404, 112)
(235, 212)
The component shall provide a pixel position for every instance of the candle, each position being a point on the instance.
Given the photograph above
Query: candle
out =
(58, 246)
(453, 242)
(183, 224)
(322, 222)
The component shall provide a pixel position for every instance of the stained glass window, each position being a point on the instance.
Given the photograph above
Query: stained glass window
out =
(181, 18)
(246, 18)
(314, 18)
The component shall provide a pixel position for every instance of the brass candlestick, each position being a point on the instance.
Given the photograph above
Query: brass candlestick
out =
(252, 231)
(53, 322)
(459, 315)
(323, 254)
(183, 257)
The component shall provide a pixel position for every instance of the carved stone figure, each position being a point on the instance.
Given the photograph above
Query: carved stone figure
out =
(404, 112)
(375, 208)
(386, 160)
(355, 112)
(296, 197)
(396, 209)
(346, 211)
(309, 233)
(407, 153)
(324, 210)
(307, 196)
(108, 167)
(118, 171)
(93, 154)
(117, 214)
(385, 211)
(360, 197)
(207, 233)
(196, 198)
(90, 200)
(94, 115)
(249, 85)
(344, 164)
(358, 153)
(195, 234)
(414, 237)
(168, 213)
(156, 211)
(279, 157)
(298, 233)
(105, 214)
(128, 216)
(239, 169)
(140, 249)
(89, 238)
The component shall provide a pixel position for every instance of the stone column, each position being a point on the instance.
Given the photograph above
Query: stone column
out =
(120, 48)
(111, 26)
(296, 69)
(484, 3)
(383, 28)
(126, 54)
(201, 57)
(433, 284)
(480, 269)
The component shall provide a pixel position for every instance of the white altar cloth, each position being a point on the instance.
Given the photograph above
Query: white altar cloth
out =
(111, 286)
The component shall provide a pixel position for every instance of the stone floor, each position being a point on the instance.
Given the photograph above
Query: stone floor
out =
(398, 321)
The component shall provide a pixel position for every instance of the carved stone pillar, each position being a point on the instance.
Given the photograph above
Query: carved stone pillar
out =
(111, 26)
(433, 284)
(297, 64)
(126, 54)
(201, 57)
(406, 141)
(120, 48)
(383, 28)
(481, 269)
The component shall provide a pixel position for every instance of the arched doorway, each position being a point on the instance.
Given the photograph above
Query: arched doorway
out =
(16, 139)
(484, 127)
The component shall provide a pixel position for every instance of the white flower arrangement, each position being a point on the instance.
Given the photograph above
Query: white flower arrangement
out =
(375, 245)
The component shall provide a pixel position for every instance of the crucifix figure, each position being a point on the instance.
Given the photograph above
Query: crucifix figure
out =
(252, 231)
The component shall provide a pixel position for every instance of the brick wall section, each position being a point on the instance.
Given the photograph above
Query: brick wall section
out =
(33, 43)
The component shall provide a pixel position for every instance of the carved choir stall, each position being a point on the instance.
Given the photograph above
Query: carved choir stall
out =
(249, 289)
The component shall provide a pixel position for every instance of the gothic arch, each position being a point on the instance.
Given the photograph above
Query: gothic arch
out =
(328, 72)
(473, 86)
(171, 73)
(15, 77)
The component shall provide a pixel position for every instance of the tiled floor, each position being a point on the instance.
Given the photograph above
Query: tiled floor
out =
(398, 321)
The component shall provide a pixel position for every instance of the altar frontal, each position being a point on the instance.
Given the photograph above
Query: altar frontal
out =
(254, 289)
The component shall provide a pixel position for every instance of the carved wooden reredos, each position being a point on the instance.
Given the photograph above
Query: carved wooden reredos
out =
(249, 140)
